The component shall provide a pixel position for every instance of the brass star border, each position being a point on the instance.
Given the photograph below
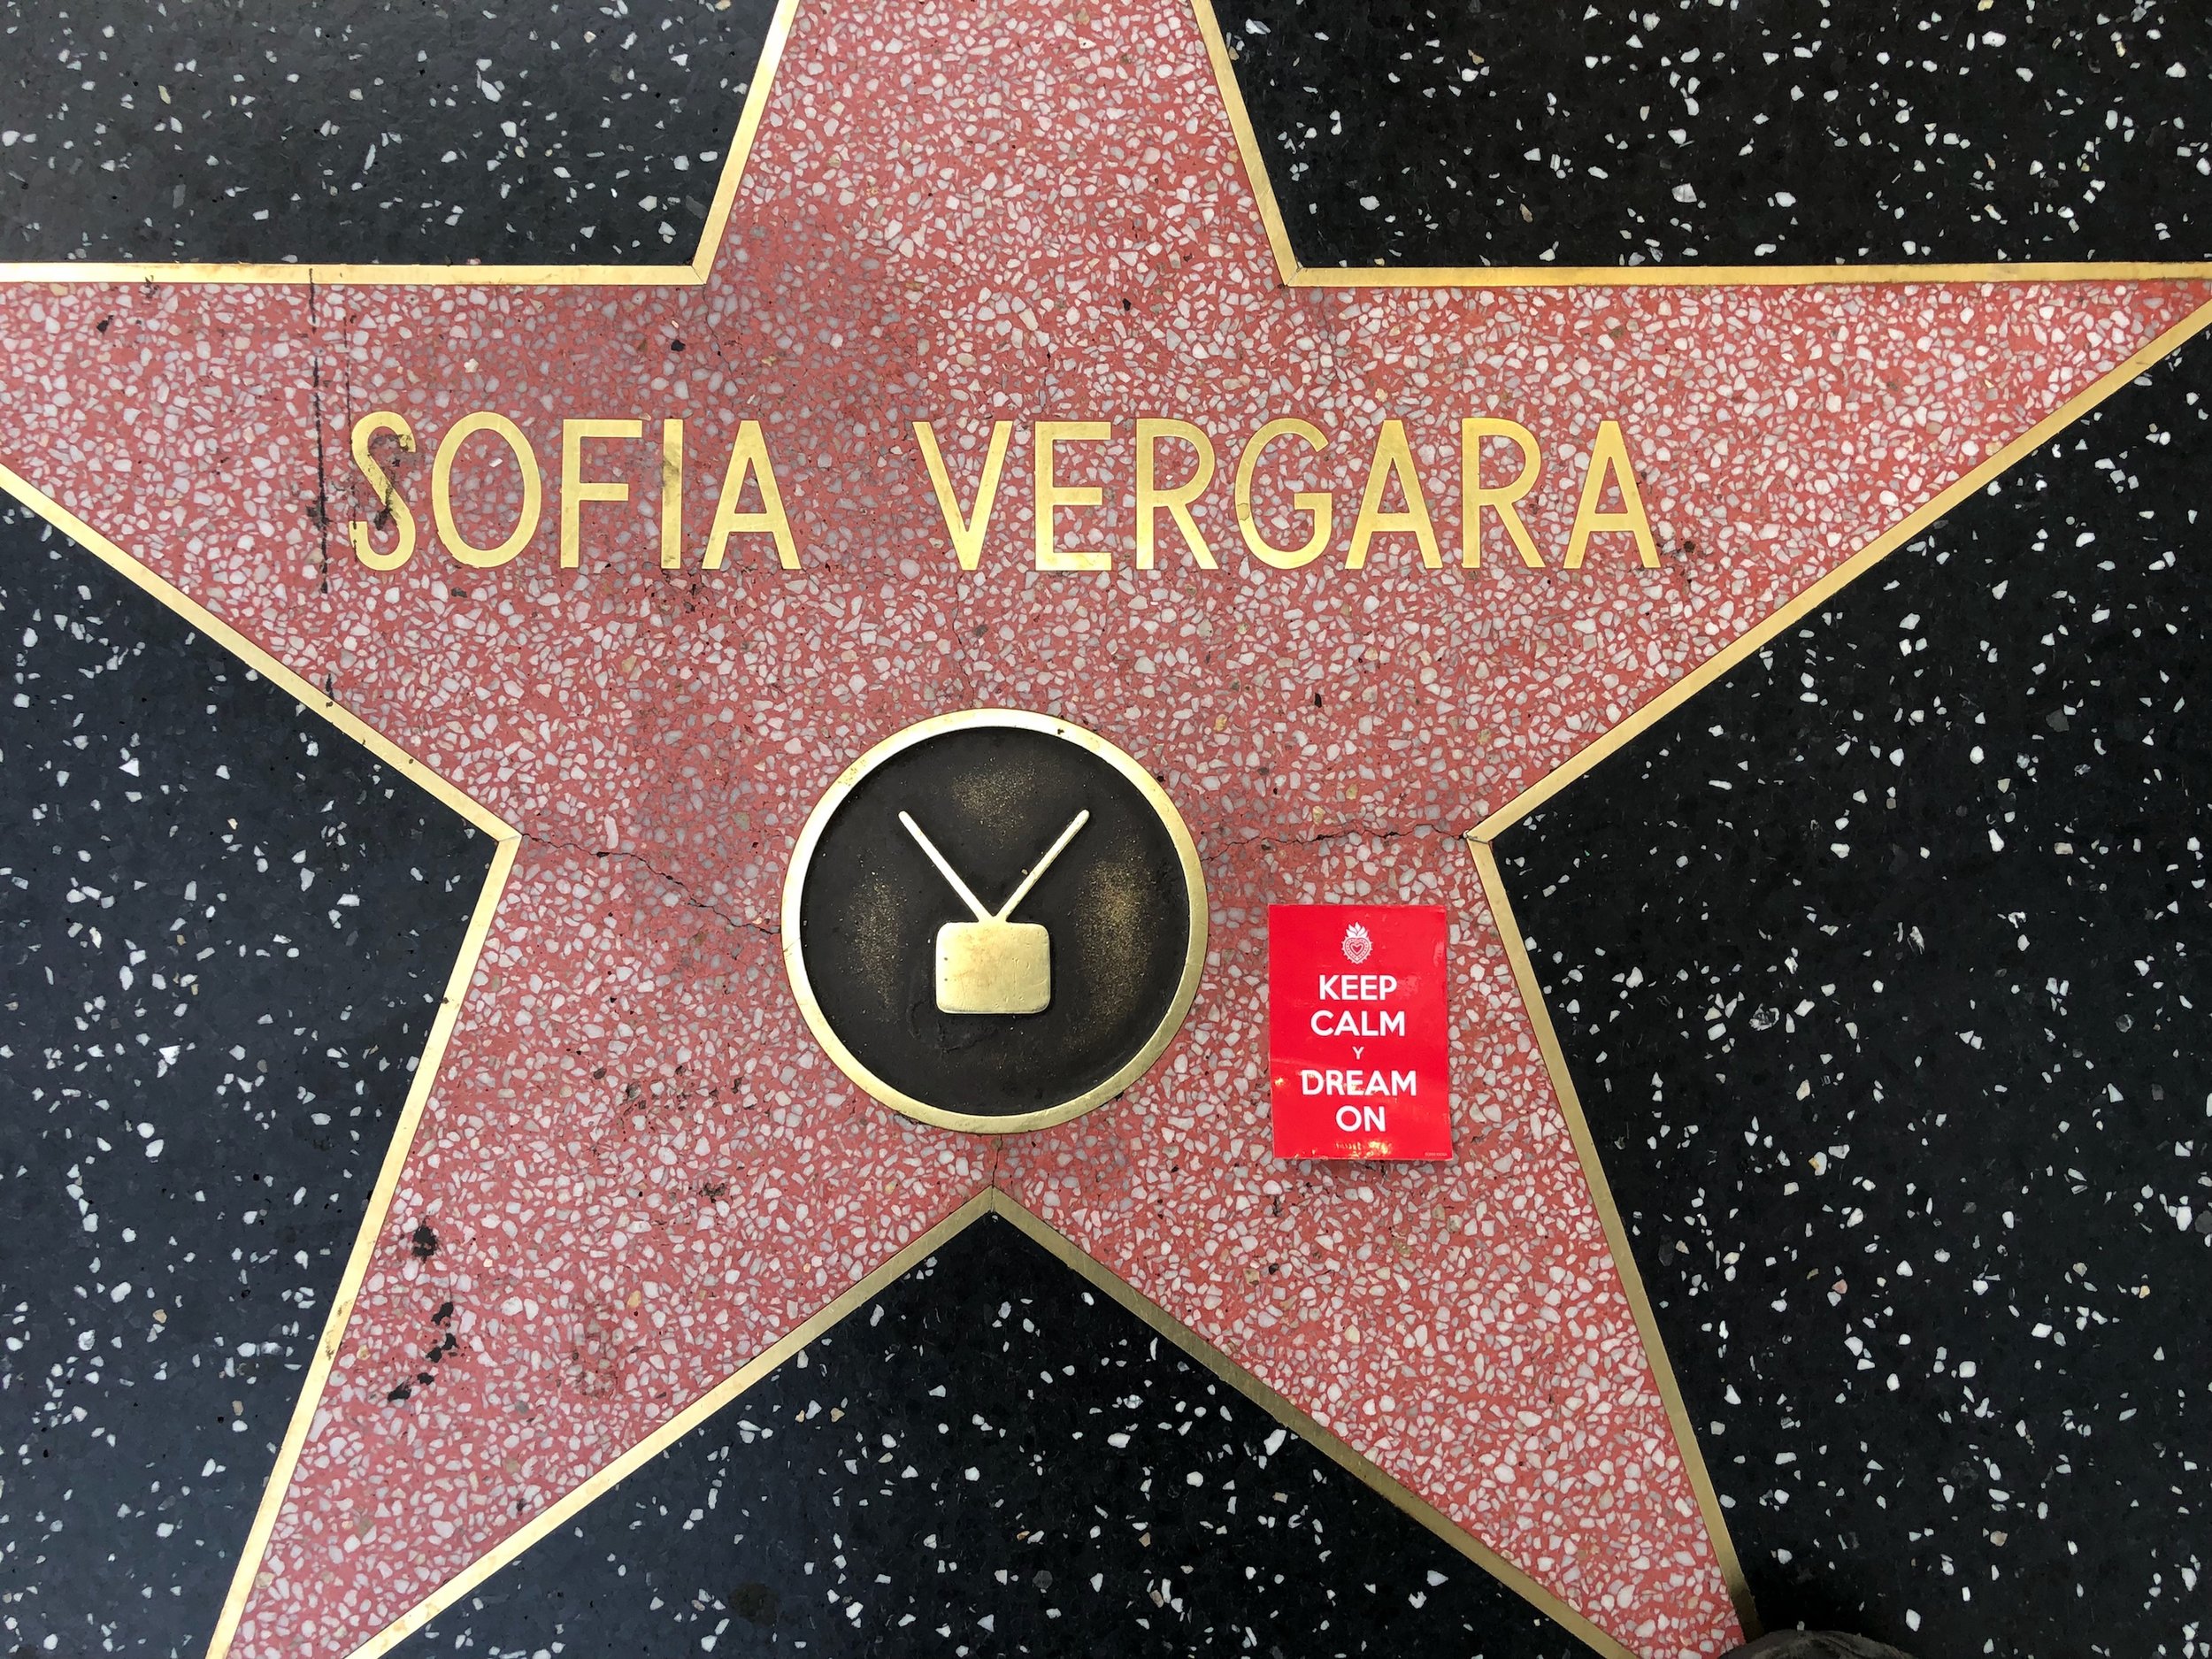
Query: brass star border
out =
(1480, 839)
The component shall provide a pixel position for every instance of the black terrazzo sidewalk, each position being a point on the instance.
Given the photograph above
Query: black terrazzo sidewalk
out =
(1527, 132)
(384, 131)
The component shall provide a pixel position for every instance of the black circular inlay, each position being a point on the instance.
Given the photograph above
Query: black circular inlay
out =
(1115, 908)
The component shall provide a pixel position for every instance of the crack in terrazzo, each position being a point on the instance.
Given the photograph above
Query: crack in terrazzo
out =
(960, 663)
(320, 511)
(766, 930)
(1262, 839)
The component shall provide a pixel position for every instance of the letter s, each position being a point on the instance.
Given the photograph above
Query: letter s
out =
(388, 505)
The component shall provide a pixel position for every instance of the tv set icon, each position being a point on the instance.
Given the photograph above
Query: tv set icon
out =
(993, 964)
(994, 967)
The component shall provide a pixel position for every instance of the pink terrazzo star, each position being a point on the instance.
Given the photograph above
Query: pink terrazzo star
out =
(641, 1168)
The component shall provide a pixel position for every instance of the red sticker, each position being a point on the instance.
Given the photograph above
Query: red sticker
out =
(1359, 1040)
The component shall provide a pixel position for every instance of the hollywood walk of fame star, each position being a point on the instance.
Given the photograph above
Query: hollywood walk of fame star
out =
(642, 1173)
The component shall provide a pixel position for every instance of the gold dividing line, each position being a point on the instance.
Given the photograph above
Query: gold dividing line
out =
(1754, 276)
(1826, 588)
(266, 273)
(1299, 1423)
(364, 1245)
(1247, 141)
(603, 1480)
(506, 841)
(1616, 1236)
(740, 150)
(1541, 276)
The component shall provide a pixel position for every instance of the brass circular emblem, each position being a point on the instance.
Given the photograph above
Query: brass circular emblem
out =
(995, 921)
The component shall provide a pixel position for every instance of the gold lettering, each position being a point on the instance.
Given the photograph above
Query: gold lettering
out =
(1393, 458)
(441, 490)
(1316, 502)
(967, 532)
(388, 505)
(1475, 496)
(1608, 459)
(1051, 495)
(380, 440)
(1151, 498)
(576, 489)
(671, 495)
(748, 458)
